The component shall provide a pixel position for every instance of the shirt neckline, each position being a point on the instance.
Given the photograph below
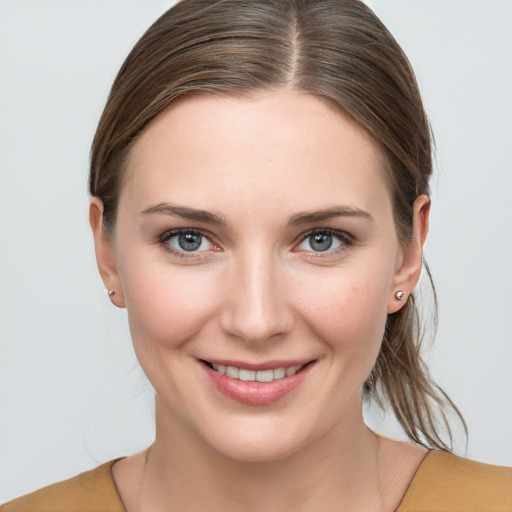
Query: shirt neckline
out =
(403, 501)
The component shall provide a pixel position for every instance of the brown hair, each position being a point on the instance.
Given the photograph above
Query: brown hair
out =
(335, 49)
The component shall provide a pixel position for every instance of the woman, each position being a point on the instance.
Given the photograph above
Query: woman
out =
(260, 201)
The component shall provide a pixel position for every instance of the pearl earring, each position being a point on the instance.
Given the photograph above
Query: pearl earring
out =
(399, 295)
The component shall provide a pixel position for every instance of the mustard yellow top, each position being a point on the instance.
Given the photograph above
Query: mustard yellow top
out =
(442, 483)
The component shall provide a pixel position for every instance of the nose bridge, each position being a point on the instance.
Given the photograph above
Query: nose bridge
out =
(257, 307)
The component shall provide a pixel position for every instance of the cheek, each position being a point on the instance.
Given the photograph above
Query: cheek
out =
(166, 306)
(347, 310)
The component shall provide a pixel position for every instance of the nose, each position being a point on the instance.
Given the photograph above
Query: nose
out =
(256, 306)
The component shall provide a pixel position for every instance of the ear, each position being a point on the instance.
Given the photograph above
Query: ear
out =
(409, 268)
(105, 253)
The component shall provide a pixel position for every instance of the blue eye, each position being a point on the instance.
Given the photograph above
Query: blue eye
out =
(323, 241)
(187, 241)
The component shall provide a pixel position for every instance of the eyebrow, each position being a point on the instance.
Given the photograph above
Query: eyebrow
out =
(328, 213)
(186, 213)
(219, 220)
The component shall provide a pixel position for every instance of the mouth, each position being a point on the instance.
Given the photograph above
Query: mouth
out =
(248, 375)
(259, 385)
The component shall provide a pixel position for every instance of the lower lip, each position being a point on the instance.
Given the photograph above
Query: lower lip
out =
(255, 393)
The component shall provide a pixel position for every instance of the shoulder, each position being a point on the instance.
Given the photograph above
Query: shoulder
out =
(447, 483)
(92, 491)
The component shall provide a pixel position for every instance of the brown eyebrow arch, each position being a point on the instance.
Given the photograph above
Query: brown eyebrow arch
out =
(328, 213)
(186, 213)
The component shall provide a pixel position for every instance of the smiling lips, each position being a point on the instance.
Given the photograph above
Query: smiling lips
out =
(260, 375)
(256, 386)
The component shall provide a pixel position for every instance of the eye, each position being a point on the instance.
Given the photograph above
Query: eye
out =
(186, 240)
(324, 241)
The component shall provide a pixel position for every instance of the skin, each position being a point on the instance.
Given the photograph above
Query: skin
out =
(257, 291)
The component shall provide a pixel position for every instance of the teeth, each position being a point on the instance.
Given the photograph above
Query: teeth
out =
(292, 370)
(247, 375)
(219, 368)
(265, 376)
(279, 373)
(232, 372)
(259, 376)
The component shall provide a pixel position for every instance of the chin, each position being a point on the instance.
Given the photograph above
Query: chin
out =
(264, 442)
(263, 451)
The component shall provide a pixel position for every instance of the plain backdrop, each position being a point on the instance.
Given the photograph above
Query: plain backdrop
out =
(71, 393)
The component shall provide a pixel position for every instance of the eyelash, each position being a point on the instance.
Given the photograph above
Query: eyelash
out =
(344, 238)
(163, 240)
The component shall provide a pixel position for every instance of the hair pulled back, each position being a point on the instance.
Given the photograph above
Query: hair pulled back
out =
(337, 50)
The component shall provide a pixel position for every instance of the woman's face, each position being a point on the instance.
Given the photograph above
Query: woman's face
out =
(255, 240)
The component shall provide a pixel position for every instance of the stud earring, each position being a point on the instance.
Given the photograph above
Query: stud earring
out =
(110, 294)
(399, 295)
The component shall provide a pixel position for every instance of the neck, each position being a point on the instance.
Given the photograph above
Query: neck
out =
(339, 471)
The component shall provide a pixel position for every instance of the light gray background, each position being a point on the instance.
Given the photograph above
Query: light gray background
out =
(71, 394)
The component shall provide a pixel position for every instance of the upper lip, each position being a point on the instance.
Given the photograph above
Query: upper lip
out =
(265, 365)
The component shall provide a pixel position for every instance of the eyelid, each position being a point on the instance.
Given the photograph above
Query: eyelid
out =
(345, 238)
(180, 231)
(164, 238)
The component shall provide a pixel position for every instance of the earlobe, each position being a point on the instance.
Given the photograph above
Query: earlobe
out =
(408, 274)
(105, 253)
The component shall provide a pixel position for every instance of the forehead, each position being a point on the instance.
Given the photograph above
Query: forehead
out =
(274, 146)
